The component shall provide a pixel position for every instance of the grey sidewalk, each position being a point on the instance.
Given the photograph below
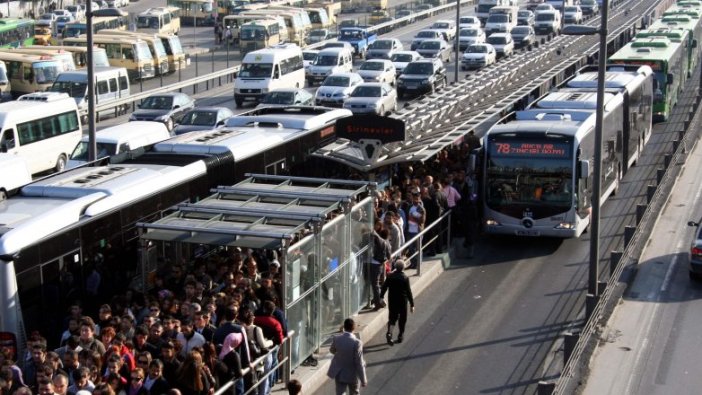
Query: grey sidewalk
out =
(369, 324)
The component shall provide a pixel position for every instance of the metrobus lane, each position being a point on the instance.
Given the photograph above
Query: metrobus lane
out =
(206, 56)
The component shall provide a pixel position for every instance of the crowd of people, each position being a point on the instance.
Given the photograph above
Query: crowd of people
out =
(195, 331)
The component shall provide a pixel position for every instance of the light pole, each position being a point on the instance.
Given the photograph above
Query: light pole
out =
(593, 268)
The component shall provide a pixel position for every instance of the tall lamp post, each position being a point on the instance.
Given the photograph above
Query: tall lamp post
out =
(593, 268)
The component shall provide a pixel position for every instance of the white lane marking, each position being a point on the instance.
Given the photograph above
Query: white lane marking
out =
(669, 274)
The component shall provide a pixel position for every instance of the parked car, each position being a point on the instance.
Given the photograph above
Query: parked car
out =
(401, 59)
(308, 56)
(384, 48)
(202, 118)
(573, 14)
(424, 35)
(283, 97)
(420, 76)
(168, 108)
(405, 13)
(523, 36)
(468, 36)
(319, 35)
(336, 88)
(468, 21)
(525, 18)
(503, 43)
(377, 70)
(435, 49)
(372, 97)
(589, 7)
(478, 55)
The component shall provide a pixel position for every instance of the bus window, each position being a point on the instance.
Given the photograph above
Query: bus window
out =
(113, 85)
(102, 87)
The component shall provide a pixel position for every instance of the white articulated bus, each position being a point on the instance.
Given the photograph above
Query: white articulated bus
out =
(42, 128)
(261, 71)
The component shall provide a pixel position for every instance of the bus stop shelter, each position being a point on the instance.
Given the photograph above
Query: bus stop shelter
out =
(318, 229)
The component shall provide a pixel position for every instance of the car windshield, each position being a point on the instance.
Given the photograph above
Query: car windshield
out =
(520, 30)
(477, 49)
(309, 55)
(63, 19)
(372, 66)
(543, 7)
(440, 25)
(571, 9)
(326, 60)
(200, 118)
(157, 103)
(498, 18)
(467, 20)
(469, 33)
(256, 70)
(366, 91)
(320, 33)
(74, 89)
(401, 57)
(335, 80)
(279, 98)
(497, 40)
(545, 17)
(103, 150)
(381, 44)
(425, 34)
(523, 13)
(47, 16)
(418, 68)
(430, 45)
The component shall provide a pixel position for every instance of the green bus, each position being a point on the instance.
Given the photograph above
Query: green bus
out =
(675, 34)
(16, 32)
(692, 25)
(667, 59)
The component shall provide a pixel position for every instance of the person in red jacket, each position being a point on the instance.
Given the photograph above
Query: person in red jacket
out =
(270, 325)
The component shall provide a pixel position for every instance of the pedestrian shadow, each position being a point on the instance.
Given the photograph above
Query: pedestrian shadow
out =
(368, 349)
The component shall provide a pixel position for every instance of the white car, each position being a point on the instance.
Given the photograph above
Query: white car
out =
(62, 13)
(447, 27)
(377, 70)
(47, 18)
(543, 7)
(401, 59)
(468, 21)
(573, 14)
(424, 35)
(503, 43)
(78, 11)
(372, 97)
(478, 55)
(468, 36)
(383, 48)
(308, 56)
(336, 88)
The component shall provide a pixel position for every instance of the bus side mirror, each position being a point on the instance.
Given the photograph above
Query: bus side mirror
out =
(669, 79)
(584, 169)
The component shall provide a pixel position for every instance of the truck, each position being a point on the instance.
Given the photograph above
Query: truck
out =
(359, 38)
(502, 19)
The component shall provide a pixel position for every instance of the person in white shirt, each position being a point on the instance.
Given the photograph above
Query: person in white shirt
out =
(188, 338)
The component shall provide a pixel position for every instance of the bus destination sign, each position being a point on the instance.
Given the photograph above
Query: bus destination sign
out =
(534, 149)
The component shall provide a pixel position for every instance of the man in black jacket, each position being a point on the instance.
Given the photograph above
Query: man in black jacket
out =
(400, 292)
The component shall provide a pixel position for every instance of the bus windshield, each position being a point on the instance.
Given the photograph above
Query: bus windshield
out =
(143, 51)
(74, 89)
(256, 70)
(526, 172)
(160, 49)
(46, 72)
(148, 22)
(253, 32)
(103, 150)
(175, 47)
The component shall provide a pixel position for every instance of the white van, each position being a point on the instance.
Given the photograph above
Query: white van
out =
(15, 174)
(261, 71)
(120, 139)
(42, 128)
(111, 84)
(501, 19)
(330, 61)
(547, 22)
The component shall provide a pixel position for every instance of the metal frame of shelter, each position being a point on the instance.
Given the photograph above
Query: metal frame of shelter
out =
(317, 226)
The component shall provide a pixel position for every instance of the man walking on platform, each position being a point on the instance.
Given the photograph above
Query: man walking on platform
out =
(348, 366)
(397, 285)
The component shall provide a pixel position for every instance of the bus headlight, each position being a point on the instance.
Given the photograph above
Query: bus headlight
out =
(566, 226)
(491, 222)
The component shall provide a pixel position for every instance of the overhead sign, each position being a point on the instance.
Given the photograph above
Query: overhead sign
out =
(371, 127)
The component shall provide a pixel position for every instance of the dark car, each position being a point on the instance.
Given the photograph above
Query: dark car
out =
(203, 118)
(589, 7)
(284, 97)
(523, 36)
(420, 76)
(696, 250)
(168, 108)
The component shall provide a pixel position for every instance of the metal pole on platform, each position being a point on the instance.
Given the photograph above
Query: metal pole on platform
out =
(92, 144)
(458, 30)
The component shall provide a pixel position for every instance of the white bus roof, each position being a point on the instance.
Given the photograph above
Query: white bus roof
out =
(127, 131)
(613, 78)
(83, 73)
(248, 135)
(57, 202)
(574, 99)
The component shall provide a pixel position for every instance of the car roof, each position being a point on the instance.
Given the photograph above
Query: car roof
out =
(371, 84)
(170, 94)
(344, 74)
(433, 40)
(285, 90)
(499, 35)
(209, 108)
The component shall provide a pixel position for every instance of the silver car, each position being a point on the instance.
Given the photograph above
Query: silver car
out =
(439, 49)
(378, 70)
(336, 88)
(203, 118)
(372, 97)
(384, 48)
(403, 58)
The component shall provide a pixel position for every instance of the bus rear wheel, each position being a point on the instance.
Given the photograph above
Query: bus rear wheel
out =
(60, 163)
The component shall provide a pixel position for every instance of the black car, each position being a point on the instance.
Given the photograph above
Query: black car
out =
(589, 7)
(168, 108)
(421, 76)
